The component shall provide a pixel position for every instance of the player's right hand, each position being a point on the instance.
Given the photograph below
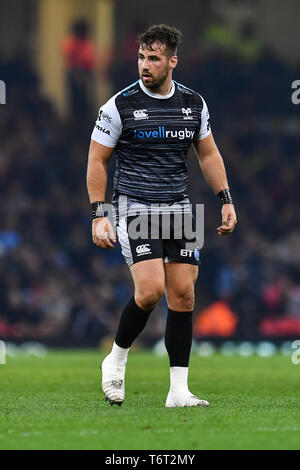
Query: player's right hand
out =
(102, 233)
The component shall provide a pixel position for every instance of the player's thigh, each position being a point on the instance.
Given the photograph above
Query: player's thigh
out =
(180, 280)
(148, 277)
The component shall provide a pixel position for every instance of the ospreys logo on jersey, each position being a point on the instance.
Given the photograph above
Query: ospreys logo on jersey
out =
(187, 111)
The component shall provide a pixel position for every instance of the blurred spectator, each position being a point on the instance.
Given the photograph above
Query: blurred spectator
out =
(125, 68)
(245, 44)
(80, 59)
(248, 45)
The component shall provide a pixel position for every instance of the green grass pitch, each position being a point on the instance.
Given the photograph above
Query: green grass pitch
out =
(55, 402)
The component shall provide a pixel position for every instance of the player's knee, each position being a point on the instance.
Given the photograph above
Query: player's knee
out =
(149, 296)
(183, 300)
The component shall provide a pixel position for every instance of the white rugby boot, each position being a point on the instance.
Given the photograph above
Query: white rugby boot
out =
(182, 399)
(179, 394)
(113, 381)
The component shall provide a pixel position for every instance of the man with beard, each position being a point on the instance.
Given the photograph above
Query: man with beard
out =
(150, 127)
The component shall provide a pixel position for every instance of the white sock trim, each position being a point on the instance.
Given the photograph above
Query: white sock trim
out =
(118, 354)
(179, 379)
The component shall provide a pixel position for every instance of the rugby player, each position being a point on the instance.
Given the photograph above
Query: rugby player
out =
(150, 127)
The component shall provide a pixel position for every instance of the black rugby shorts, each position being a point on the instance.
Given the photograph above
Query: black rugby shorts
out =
(148, 231)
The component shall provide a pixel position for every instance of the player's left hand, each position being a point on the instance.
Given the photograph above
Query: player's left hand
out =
(229, 220)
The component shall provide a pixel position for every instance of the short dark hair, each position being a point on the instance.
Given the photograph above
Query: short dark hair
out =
(167, 35)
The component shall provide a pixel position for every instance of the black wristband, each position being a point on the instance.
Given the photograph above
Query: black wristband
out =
(98, 210)
(225, 197)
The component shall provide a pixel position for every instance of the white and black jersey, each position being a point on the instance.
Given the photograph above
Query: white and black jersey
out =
(151, 135)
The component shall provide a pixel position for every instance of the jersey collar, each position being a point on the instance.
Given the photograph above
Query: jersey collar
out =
(154, 95)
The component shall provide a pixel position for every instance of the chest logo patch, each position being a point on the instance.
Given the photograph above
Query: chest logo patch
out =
(139, 114)
(187, 111)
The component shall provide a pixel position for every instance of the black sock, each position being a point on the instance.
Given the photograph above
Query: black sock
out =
(178, 337)
(132, 322)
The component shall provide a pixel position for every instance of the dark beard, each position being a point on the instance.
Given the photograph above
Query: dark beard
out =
(156, 84)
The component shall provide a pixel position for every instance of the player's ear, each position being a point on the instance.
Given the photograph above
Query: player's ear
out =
(173, 61)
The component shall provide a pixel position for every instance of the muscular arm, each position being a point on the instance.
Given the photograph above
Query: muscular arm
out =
(96, 178)
(211, 164)
(213, 169)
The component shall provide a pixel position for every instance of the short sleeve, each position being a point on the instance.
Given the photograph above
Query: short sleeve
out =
(108, 126)
(205, 129)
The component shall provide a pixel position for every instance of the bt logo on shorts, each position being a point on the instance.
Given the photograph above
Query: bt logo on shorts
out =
(191, 253)
(143, 249)
(188, 253)
(140, 114)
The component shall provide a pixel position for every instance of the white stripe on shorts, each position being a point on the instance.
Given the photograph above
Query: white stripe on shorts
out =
(124, 240)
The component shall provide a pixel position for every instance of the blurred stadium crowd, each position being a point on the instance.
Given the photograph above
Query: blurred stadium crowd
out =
(56, 287)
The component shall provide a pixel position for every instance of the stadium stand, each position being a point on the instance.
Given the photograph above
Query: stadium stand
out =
(56, 287)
